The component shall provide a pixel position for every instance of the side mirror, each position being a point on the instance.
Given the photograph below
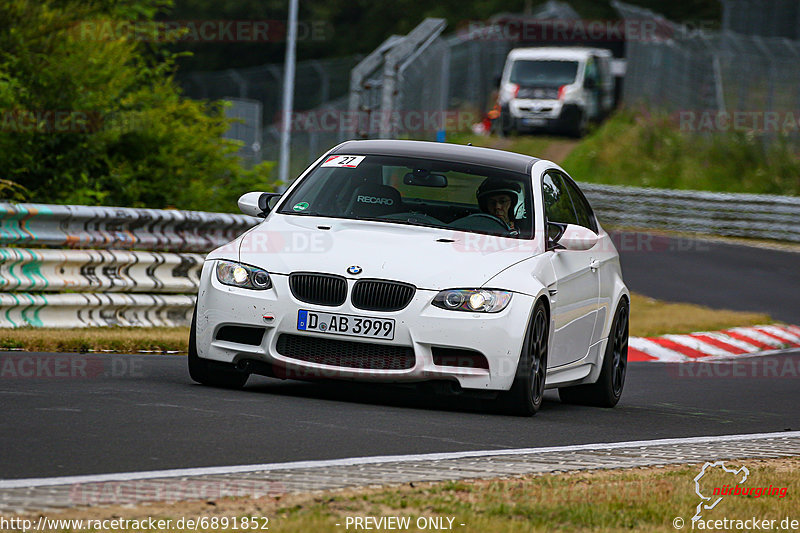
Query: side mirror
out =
(589, 83)
(258, 204)
(577, 238)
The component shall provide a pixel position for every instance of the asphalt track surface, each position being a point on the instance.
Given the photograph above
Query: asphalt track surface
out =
(715, 274)
(119, 413)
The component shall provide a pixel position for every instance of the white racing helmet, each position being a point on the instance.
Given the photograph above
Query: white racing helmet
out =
(491, 186)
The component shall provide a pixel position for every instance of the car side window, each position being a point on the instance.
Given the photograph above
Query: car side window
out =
(582, 208)
(557, 204)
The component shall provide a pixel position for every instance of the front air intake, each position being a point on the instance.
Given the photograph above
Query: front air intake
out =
(345, 354)
(241, 334)
(459, 357)
(381, 295)
(318, 289)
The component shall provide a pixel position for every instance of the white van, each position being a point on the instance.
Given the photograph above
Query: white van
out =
(559, 89)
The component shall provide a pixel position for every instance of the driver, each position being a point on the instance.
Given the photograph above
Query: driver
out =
(501, 198)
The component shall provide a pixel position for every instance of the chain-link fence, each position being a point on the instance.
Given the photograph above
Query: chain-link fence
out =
(418, 85)
(314, 131)
(316, 82)
(246, 128)
(767, 18)
(475, 65)
(715, 82)
(403, 81)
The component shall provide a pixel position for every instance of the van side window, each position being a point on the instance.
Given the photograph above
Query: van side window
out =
(591, 70)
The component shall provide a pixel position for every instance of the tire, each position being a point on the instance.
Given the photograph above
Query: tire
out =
(526, 393)
(607, 391)
(508, 125)
(575, 122)
(212, 373)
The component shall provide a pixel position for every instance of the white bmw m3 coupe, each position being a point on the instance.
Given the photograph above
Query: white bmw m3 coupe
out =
(474, 269)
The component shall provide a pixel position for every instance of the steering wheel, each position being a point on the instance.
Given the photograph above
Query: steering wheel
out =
(493, 219)
(412, 216)
(465, 222)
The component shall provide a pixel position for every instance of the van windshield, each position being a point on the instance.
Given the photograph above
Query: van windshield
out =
(543, 73)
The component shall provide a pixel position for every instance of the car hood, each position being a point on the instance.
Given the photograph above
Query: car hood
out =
(429, 258)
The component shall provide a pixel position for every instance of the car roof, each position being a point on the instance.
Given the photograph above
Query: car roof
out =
(555, 53)
(456, 153)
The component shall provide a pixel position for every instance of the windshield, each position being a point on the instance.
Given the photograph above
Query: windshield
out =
(538, 73)
(413, 191)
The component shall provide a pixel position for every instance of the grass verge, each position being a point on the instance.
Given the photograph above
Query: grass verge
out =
(641, 499)
(125, 340)
(648, 318)
(649, 150)
(646, 150)
(549, 147)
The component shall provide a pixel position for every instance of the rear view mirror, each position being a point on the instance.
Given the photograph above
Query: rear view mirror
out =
(258, 204)
(423, 178)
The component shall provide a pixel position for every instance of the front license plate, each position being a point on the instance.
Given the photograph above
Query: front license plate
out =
(534, 121)
(351, 325)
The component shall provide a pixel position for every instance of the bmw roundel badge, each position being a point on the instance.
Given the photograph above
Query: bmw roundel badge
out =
(355, 270)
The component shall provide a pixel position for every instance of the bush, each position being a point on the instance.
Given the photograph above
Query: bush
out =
(90, 117)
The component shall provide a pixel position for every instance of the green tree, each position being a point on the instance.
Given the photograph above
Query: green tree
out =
(91, 115)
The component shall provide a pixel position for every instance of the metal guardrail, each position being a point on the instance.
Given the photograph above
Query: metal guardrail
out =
(46, 287)
(116, 266)
(78, 310)
(757, 216)
(77, 226)
(26, 269)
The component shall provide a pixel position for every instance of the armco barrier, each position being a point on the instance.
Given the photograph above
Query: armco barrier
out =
(758, 216)
(133, 267)
(77, 226)
(26, 269)
(113, 266)
(78, 310)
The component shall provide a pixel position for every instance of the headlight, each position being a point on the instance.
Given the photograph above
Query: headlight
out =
(473, 300)
(244, 276)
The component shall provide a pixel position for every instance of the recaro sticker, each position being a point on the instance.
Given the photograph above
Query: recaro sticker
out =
(343, 161)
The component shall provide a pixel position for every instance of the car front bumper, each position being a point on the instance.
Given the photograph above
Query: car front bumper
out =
(419, 326)
(523, 114)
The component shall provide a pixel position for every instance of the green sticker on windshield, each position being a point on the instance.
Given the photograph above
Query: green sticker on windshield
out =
(302, 206)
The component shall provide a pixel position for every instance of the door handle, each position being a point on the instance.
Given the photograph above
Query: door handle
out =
(594, 264)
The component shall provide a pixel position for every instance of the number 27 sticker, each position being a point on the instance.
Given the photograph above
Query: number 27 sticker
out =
(346, 161)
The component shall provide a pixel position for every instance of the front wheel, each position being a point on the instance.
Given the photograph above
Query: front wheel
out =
(213, 373)
(526, 393)
(607, 391)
